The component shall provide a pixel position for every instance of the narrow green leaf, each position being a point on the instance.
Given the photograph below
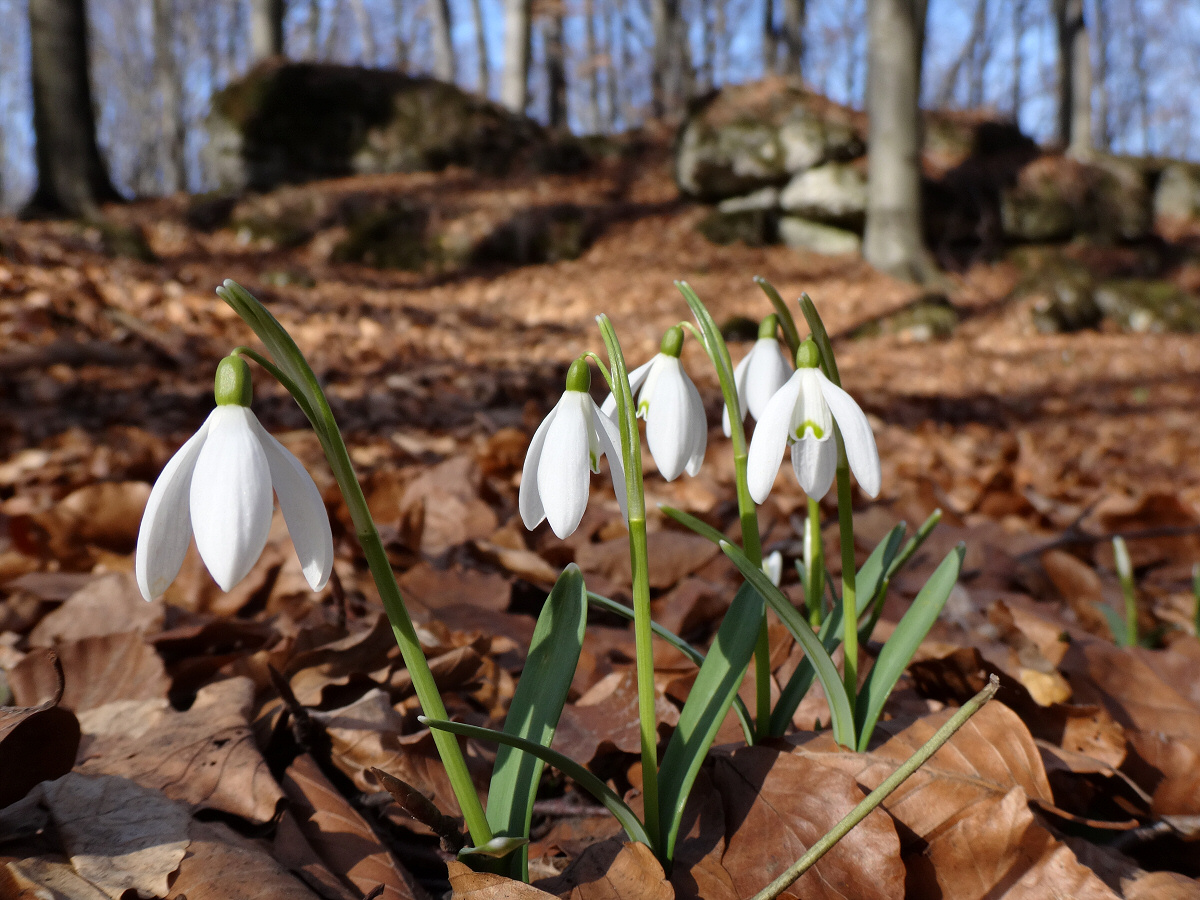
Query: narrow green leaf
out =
(1116, 625)
(869, 578)
(797, 686)
(903, 643)
(791, 335)
(821, 337)
(620, 609)
(581, 776)
(714, 689)
(537, 706)
(687, 520)
(827, 673)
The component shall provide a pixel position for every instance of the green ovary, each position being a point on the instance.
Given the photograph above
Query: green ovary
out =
(817, 430)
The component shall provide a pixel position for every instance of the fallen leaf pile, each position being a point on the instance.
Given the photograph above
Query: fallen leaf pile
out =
(214, 745)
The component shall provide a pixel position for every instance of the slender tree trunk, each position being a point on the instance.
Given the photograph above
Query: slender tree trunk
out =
(612, 86)
(704, 71)
(770, 38)
(366, 31)
(981, 52)
(172, 129)
(795, 13)
(482, 66)
(892, 242)
(313, 27)
(556, 71)
(266, 29)
(1018, 30)
(514, 88)
(440, 34)
(72, 178)
(591, 72)
(1074, 78)
(1142, 78)
(403, 50)
(667, 86)
(1103, 128)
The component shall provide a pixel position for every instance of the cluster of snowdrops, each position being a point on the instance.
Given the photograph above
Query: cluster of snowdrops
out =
(218, 488)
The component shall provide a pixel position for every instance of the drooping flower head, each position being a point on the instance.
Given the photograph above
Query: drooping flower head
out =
(676, 427)
(802, 413)
(565, 449)
(760, 374)
(218, 486)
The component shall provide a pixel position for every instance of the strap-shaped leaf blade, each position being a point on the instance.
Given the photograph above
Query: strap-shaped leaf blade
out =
(827, 673)
(903, 643)
(712, 693)
(605, 795)
(537, 705)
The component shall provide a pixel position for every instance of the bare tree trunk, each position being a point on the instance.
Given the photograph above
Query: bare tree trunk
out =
(1103, 128)
(1142, 78)
(795, 12)
(612, 21)
(556, 72)
(981, 52)
(1018, 30)
(72, 178)
(892, 242)
(770, 38)
(440, 35)
(266, 29)
(667, 88)
(403, 50)
(1074, 78)
(172, 129)
(366, 31)
(964, 60)
(313, 27)
(514, 88)
(704, 70)
(591, 73)
(482, 67)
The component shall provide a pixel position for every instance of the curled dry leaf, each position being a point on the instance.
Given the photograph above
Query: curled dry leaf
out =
(612, 870)
(342, 837)
(119, 835)
(110, 604)
(471, 885)
(100, 669)
(36, 744)
(36, 877)
(205, 757)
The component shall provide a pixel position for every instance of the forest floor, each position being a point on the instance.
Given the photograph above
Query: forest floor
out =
(1038, 449)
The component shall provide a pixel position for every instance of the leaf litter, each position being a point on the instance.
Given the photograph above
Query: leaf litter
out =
(196, 775)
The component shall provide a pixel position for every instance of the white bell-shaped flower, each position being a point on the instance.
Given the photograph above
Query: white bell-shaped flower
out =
(676, 427)
(565, 449)
(218, 486)
(802, 414)
(759, 375)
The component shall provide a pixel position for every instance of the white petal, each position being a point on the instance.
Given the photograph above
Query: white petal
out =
(636, 377)
(770, 439)
(609, 438)
(231, 497)
(773, 567)
(668, 429)
(861, 450)
(811, 409)
(302, 506)
(766, 373)
(739, 383)
(814, 462)
(529, 502)
(166, 525)
(698, 429)
(563, 474)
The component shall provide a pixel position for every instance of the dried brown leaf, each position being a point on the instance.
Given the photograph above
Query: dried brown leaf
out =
(100, 669)
(222, 865)
(470, 885)
(612, 870)
(36, 744)
(205, 757)
(110, 604)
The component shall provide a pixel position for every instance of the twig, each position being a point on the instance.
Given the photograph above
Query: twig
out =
(877, 796)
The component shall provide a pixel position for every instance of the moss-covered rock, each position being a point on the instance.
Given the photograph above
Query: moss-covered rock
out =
(804, 234)
(1177, 195)
(293, 122)
(930, 317)
(1064, 301)
(1154, 306)
(752, 227)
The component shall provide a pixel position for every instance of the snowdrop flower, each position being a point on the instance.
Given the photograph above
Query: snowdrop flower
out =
(760, 374)
(772, 565)
(566, 447)
(218, 486)
(802, 414)
(676, 428)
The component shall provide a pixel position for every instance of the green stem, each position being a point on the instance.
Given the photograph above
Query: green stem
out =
(849, 600)
(881, 793)
(631, 456)
(814, 565)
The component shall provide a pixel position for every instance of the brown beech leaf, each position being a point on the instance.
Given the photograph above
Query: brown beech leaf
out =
(205, 757)
(468, 884)
(119, 835)
(36, 744)
(965, 814)
(676, 554)
(1160, 886)
(339, 662)
(110, 604)
(37, 878)
(292, 850)
(607, 714)
(698, 873)
(99, 669)
(612, 870)
(435, 588)
(104, 515)
(453, 512)
(342, 837)
(778, 805)
(222, 865)
(1174, 772)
